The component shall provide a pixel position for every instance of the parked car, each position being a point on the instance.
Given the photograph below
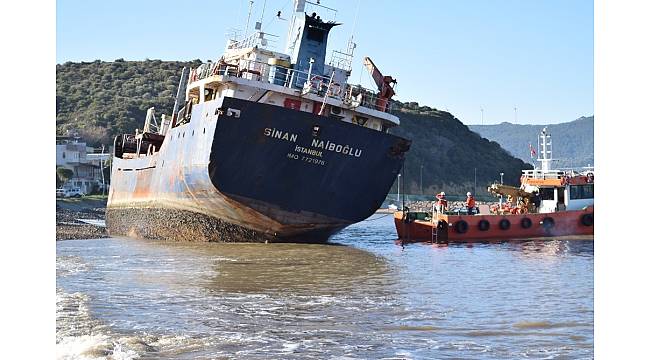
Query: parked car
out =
(69, 192)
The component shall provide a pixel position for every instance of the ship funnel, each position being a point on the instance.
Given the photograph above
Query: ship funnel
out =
(307, 39)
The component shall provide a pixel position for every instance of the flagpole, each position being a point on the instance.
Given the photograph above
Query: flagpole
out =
(532, 153)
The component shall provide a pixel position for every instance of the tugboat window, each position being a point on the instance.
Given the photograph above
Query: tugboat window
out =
(582, 191)
(547, 194)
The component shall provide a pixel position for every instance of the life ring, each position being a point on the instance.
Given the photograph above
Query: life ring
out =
(590, 177)
(526, 223)
(548, 223)
(587, 219)
(504, 224)
(484, 225)
(316, 80)
(461, 226)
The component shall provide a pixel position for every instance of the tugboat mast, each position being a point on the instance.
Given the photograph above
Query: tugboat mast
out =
(545, 151)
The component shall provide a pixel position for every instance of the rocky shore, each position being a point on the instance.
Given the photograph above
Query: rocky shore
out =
(452, 205)
(68, 213)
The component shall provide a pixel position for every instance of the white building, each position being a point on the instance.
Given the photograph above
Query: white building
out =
(85, 163)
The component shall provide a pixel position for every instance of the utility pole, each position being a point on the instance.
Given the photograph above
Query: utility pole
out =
(482, 116)
(101, 168)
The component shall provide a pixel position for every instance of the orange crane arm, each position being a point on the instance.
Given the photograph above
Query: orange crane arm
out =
(384, 83)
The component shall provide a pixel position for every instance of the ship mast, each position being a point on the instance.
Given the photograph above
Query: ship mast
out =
(544, 147)
(299, 7)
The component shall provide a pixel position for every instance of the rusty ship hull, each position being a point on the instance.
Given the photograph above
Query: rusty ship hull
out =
(243, 171)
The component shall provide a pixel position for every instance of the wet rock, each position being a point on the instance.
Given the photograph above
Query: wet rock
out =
(68, 227)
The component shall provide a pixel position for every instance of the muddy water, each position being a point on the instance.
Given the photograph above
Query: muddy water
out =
(363, 297)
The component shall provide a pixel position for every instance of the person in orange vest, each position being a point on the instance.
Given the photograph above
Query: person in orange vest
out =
(441, 204)
(471, 204)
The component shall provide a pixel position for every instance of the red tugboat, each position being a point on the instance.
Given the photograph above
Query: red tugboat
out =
(548, 203)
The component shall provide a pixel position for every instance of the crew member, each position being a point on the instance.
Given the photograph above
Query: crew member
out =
(441, 205)
(471, 204)
(537, 201)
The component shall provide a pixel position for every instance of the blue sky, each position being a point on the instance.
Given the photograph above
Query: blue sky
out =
(460, 55)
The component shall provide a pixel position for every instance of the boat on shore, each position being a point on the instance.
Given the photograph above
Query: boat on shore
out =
(261, 146)
(548, 203)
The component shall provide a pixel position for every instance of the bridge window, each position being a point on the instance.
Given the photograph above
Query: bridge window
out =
(208, 94)
(359, 120)
(582, 191)
(194, 95)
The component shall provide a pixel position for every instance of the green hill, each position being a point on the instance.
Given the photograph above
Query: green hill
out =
(449, 152)
(573, 142)
(102, 99)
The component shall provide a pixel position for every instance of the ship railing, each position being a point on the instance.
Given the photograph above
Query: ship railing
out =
(539, 174)
(351, 95)
(255, 39)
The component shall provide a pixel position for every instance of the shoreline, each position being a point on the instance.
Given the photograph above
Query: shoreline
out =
(69, 210)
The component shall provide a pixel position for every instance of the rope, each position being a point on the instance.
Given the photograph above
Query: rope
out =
(381, 217)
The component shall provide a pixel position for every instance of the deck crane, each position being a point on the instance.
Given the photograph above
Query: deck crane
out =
(384, 83)
(513, 193)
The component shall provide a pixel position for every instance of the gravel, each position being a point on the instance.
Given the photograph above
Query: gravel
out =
(67, 225)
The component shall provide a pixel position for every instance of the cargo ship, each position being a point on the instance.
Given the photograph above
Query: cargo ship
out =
(548, 203)
(261, 146)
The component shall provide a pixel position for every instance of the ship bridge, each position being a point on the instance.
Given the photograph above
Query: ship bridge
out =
(299, 80)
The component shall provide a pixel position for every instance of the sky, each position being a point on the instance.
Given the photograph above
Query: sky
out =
(461, 56)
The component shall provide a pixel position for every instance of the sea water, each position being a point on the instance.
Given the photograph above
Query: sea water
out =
(363, 296)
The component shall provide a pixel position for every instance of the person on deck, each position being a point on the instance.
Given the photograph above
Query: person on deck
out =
(441, 204)
(537, 201)
(470, 203)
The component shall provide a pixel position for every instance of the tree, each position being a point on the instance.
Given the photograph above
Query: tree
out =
(63, 175)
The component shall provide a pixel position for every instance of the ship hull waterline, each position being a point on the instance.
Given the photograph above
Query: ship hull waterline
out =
(242, 171)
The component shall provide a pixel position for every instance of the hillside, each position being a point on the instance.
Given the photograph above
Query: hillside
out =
(102, 99)
(573, 142)
(449, 152)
